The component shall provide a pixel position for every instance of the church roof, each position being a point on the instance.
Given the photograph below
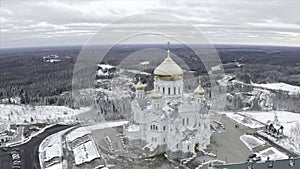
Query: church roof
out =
(199, 90)
(168, 68)
(155, 94)
(139, 86)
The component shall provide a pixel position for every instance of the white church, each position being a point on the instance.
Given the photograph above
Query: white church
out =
(167, 120)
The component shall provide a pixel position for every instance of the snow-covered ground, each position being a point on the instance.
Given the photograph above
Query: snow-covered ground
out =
(84, 130)
(290, 121)
(272, 153)
(85, 152)
(21, 113)
(287, 119)
(288, 143)
(251, 141)
(77, 133)
(280, 86)
(243, 120)
(104, 125)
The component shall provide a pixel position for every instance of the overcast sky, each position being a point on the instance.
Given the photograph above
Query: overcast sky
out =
(73, 22)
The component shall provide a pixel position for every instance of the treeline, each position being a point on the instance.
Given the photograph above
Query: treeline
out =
(282, 100)
(24, 75)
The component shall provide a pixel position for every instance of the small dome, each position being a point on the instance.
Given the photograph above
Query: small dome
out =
(204, 100)
(199, 90)
(139, 86)
(155, 94)
(168, 68)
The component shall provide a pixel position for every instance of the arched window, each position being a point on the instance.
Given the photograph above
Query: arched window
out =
(169, 91)
(156, 128)
(187, 121)
(164, 128)
(174, 90)
(164, 140)
(183, 121)
(188, 147)
(163, 90)
(150, 127)
(178, 90)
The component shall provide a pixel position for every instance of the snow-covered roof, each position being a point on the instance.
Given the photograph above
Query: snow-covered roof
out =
(105, 66)
(85, 153)
(186, 107)
(55, 166)
(133, 128)
(168, 68)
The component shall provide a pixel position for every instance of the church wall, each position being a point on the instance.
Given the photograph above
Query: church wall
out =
(178, 154)
(175, 87)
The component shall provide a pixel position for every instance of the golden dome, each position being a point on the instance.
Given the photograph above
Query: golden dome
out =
(139, 86)
(168, 69)
(204, 100)
(199, 90)
(155, 94)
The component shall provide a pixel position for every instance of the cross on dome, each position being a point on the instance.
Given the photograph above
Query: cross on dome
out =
(169, 68)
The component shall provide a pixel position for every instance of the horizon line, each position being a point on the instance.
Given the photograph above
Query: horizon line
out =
(212, 44)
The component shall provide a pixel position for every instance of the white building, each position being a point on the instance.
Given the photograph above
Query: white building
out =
(175, 122)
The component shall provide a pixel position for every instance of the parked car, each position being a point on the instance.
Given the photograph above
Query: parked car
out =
(4, 148)
(17, 163)
(15, 157)
(255, 157)
(16, 149)
(16, 167)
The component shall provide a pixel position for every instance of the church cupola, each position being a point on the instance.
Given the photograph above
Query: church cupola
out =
(140, 93)
(156, 99)
(199, 90)
(168, 70)
(169, 78)
(199, 95)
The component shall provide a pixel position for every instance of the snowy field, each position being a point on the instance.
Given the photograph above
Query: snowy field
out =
(251, 141)
(272, 153)
(289, 120)
(242, 120)
(104, 125)
(21, 113)
(280, 86)
(85, 153)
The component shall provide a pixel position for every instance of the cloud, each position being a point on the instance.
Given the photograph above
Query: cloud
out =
(73, 22)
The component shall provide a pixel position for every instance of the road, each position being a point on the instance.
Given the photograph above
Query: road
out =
(227, 144)
(29, 151)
